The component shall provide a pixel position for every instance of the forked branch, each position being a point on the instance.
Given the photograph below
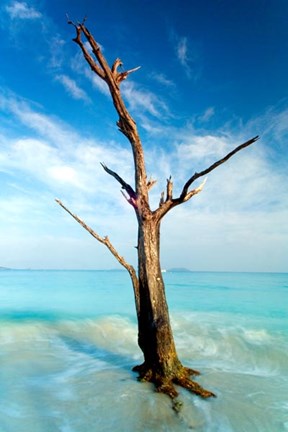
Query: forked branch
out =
(195, 191)
(93, 65)
(126, 123)
(185, 195)
(121, 76)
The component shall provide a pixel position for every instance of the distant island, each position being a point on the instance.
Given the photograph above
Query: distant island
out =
(178, 269)
(170, 270)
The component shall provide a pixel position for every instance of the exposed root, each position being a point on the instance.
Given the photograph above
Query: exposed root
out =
(167, 388)
(194, 387)
(145, 374)
(191, 372)
(166, 385)
(139, 368)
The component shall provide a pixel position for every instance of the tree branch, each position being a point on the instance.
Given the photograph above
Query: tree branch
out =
(185, 195)
(151, 183)
(105, 240)
(195, 191)
(126, 186)
(165, 206)
(93, 65)
(169, 189)
(120, 76)
(213, 166)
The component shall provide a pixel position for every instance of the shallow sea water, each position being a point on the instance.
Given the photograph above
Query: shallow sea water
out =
(68, 340)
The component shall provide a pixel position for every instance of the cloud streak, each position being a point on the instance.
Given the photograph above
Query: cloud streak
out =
(162, 79)
(187, 54)
(21, 10)
(182, 52)
(72, 88)
(142, 100)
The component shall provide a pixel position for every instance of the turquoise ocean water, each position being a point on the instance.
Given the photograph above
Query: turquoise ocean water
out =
(68, 340)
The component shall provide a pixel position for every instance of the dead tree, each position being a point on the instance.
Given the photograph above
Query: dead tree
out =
(161, 364)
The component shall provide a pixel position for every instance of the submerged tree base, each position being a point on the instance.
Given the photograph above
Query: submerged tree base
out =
(166, 383)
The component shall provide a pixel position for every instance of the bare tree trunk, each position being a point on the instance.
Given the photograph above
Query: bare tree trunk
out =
(161, 364)
(155, 335)
(155, 338)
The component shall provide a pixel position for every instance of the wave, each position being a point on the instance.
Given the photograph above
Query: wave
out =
(75, 375)
(231, 342)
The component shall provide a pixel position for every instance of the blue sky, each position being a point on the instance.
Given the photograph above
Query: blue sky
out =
(213, 74)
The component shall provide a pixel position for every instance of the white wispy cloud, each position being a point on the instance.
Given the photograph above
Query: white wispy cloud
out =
(139, 100)
(252, 172)
(35, 169)
(207, 115)
(202, 147)
(143, 100)
(273, 123)
(72, 88)
(238, 241)
(244, 202)
(239, 217)
(21, 10)
(79, 65)
(162, 79)
(183, 56)
(182, 51)
(96, 81)
(56, 154)
(48, 127)
(187, 54)
(55, 50)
